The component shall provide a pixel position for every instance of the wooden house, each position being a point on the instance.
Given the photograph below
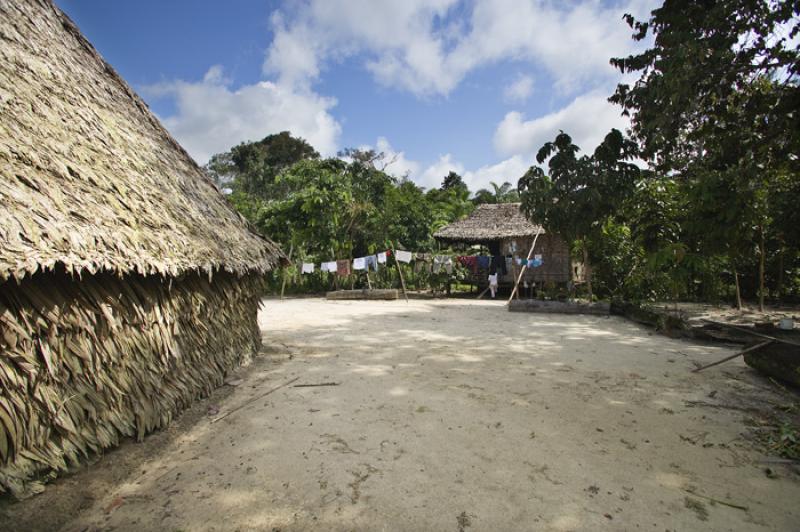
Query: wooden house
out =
(502, 229)
(128, 284)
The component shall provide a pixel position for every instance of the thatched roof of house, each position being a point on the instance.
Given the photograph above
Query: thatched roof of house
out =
(89, 178)
(489, 222)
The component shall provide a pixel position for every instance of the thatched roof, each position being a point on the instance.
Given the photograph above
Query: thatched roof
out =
(89, 178)
(489, 222)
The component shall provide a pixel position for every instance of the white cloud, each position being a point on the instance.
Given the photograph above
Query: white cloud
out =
(510, 170)
(429, 46)
(433, 176)
(519, 90)
(587, 119)
(211, 117)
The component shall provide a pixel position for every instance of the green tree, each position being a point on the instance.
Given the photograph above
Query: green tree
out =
(505, 193)
(716, 107)
(250, 168)
(577, 194)
(453, 180)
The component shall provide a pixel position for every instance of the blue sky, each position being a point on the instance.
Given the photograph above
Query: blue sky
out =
(438, 85)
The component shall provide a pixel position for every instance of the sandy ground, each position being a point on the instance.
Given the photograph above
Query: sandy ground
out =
(449, 415)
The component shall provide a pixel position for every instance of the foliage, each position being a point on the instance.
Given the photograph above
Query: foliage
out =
(323, 209)
(504, 193)
(715, 108)
(577, 195)
(453, 180)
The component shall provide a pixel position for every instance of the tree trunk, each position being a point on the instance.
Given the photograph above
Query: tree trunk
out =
(283, 271)
(587, 269)
(738, 290)
(780, 273)
(762, 250)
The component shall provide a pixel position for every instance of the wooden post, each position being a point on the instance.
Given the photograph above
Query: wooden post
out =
(738, 291)
(336, 273)
(283, 280)
(522, 271)
(400, 273)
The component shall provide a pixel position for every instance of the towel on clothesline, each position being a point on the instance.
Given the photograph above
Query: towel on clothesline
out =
(360, 263)
(307, 267)
(382, 258)
(530, 263)
(328, 266)
(371, 262)
(403, 256)
(343, 267)
(470, 262)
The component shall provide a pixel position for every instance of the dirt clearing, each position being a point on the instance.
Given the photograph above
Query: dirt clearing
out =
(451, 415)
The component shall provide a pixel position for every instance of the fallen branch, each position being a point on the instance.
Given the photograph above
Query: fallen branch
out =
(718, 501)
(316, 384)
(254, 399)
(740, 353)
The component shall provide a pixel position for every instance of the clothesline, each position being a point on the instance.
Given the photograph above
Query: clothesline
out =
(433, 263)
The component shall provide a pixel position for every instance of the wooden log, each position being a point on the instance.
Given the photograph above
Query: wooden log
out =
(778, 360)
(751, 332)
(345, 295)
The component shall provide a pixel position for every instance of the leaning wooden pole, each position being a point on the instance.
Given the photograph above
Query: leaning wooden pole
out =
(740, 353)
(522, 271)
(400, 273)
(283, 281)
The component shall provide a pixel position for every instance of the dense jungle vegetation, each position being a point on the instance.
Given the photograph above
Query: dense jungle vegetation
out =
(697, 201)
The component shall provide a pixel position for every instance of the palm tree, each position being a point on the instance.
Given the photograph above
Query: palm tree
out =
(504, 193)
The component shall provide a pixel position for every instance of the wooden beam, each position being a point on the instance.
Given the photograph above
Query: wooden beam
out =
(283, 272)
(740, 353)
(400, 273)
(522, 271)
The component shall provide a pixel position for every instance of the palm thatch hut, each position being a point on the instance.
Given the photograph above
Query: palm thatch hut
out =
(505, 231)
(128, 285)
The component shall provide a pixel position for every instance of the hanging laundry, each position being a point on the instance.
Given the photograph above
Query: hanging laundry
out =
(442, 261)
(307, 267)
(403, 256)
(371, 262)
(360, 263)
(470, 262)
(499, 265)
(328, 266)
(343, 267)
(484, 261)
(382, 258)
(535, 263)
(422, 266)
(509, 264)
